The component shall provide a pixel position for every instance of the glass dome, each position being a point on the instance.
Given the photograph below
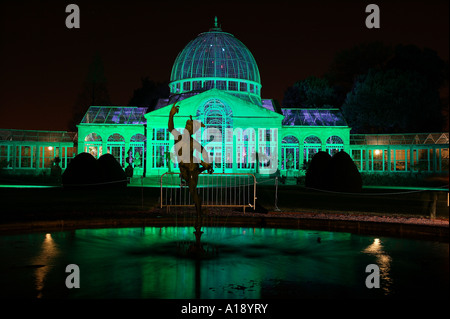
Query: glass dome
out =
(216, 59)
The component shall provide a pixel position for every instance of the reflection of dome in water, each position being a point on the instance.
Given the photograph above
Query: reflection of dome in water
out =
(216, 59)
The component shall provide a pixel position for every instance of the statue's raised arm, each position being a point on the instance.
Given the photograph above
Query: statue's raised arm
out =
(173, 111)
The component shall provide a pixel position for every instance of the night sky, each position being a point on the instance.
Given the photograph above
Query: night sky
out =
(43, 64)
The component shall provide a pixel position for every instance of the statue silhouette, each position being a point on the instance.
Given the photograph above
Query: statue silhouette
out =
(190, 166)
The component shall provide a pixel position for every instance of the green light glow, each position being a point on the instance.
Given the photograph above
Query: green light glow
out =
(410, 188)
(26, 186)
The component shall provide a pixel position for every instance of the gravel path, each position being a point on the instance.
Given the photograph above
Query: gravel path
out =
(353, 216)
(367, 218)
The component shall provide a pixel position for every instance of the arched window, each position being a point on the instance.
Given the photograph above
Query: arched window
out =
(116, 137)
(138, 138)
(93, 144)
(218, 116)
(215, 113)
(312, 139)
(334, 145)
(311, 145)
(290, 152)
(138, 150)
(116, 147)
(93, 137)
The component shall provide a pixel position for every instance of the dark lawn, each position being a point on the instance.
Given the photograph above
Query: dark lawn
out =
(378, 201)
(28, 204)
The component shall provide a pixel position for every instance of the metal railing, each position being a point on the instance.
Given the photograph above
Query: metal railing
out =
(215, 190)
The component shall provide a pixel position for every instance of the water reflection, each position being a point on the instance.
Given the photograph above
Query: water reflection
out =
(383, 260)
(246, 263)
(43, 262)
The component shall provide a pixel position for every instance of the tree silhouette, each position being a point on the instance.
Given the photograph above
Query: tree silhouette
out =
(149, 93)
(399, 95)
(393, 101)
(349, 64)
(94, 92)
(426, 62)
(312, 92)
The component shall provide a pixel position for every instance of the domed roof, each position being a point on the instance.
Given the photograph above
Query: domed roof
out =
(215, 54)
(216, 59)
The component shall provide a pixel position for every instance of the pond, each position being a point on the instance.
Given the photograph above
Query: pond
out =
(240, 262)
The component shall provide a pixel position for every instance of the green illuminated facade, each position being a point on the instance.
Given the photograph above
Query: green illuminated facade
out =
(215, 79)
(32, 152)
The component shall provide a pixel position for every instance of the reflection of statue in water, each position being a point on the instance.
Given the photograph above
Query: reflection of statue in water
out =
(190, 165)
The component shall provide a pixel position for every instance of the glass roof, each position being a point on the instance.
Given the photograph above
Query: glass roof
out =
(37, 136)
(215, 54)
(313, 117)
(115, 115)
(396, 139)
(271, 105)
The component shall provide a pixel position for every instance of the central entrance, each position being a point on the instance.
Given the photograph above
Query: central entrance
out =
(217, 135)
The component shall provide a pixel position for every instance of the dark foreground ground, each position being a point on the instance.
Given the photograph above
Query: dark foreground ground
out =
(22, 208)
(22, 204)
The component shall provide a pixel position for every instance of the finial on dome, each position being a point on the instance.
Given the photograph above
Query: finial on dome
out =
(216, 25)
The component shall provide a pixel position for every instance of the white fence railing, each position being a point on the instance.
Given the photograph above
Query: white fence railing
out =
(215, 190)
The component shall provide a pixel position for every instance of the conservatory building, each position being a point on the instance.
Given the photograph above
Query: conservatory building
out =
(215, 80)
